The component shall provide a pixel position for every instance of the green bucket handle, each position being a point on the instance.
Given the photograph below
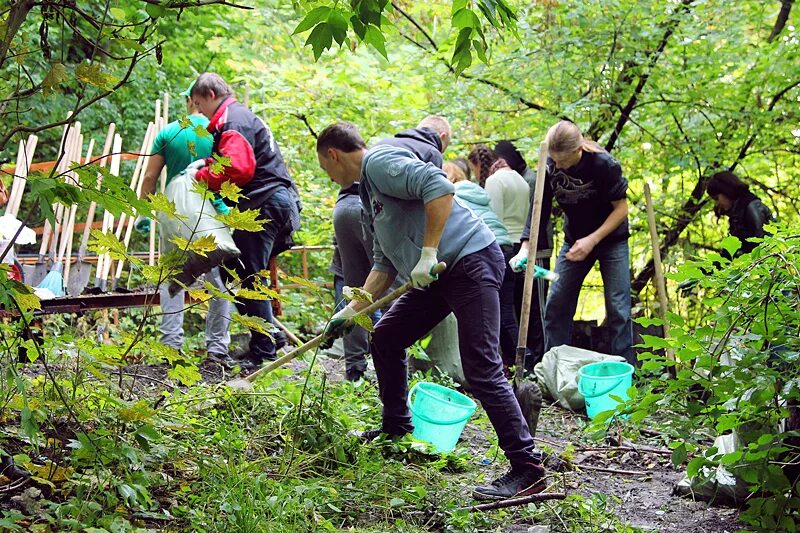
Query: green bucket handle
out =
(425, 418)
(612, 387)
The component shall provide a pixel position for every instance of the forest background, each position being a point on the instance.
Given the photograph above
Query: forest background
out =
(675, 90)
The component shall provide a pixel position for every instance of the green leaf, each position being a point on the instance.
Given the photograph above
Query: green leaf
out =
(117, 13)
(312, 18)
(364, 321)
(230, 191)
(243, 220)
(375, 38)
(338, 26)
(679, 455)
(397, 502)
(320, 39)
(155, 11)
(356, 294)
(54, 78)
(108, 243)
(92, 74)
(731, 244)
(187, 375)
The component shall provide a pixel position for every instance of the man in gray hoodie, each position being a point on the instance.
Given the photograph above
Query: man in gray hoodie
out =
(416, 223)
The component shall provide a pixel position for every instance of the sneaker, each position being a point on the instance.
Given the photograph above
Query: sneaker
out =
(279, 338)
(518, 482)
(372, 434)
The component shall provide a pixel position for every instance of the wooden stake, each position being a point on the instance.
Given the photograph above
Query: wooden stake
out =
(661, 287)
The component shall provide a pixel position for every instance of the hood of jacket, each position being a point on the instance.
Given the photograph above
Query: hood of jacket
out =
(472, 193)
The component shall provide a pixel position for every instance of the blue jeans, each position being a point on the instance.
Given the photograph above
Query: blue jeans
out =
(257, 248)
(562, 301)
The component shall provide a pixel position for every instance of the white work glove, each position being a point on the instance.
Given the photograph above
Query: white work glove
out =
(423, 275)
(197, 165)
(336, 325)
(519, 262)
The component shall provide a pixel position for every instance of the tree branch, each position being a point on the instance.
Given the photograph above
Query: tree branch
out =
(780, 22)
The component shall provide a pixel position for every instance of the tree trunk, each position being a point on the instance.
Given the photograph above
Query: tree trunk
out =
(16, 16)
(783, 17)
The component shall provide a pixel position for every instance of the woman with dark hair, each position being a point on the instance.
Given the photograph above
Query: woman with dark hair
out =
(746, 213)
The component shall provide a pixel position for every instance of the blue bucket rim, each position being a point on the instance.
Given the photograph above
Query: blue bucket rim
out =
(629, 370)
(420, 387)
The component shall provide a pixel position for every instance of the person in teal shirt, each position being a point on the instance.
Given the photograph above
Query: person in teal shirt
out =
(176, 147)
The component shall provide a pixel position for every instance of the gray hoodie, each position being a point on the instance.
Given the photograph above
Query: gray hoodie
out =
(395, 186)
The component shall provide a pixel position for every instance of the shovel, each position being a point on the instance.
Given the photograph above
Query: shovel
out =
(246, 383)
(528, 394)
(81, 273)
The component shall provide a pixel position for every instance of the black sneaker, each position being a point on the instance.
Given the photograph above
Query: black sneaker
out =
(518, 482)
(279, 338)
(372, 434)
(354, 374)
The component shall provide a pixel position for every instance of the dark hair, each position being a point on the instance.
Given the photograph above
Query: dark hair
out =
(509, 152)
(726, 183)
(342, 136)
(462, 164)
(483, 157)
(209, 82)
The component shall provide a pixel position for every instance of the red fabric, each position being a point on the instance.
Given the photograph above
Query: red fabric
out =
(243, 162)
(218, 120)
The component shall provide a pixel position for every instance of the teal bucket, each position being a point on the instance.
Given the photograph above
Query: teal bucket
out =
(439, 414)
(599, 381)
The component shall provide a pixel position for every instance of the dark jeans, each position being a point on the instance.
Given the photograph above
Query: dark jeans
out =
(356, 343)
(535, 341)
(470, 289)
(257, 248)
(563, 298)
(509, 328)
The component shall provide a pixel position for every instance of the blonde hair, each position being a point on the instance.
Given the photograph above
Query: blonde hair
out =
(566, 138)
(454, 172)
(437, 123)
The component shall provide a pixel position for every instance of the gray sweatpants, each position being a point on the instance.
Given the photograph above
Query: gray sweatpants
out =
(217, 320)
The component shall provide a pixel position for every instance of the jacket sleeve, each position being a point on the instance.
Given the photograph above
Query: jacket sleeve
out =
(234, 146)
(756, 215)
(395, 172)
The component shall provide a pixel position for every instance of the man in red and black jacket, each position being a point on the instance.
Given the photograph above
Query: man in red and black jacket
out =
(256, 166)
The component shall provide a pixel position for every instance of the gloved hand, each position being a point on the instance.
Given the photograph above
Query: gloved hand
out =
(196, 165)
(142, 224)
(519, 262)
(219, 205)
(337, 326)
(423, 275)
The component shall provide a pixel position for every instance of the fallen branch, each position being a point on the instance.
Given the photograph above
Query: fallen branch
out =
(614, 470)
(644, 449)
(513, 502)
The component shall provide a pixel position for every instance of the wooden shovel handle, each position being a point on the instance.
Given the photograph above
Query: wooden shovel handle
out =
(313, 343)
(533, 244)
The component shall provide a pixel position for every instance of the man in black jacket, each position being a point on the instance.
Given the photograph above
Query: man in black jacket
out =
(255, 165)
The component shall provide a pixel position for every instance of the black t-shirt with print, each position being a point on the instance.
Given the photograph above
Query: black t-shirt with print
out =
(585, 192)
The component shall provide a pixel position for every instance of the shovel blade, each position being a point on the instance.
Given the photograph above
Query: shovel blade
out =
(34, 274)
(79, 278)
(529, 397)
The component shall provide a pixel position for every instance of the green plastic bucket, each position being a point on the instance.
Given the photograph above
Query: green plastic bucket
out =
(439, 414)
(599, 381)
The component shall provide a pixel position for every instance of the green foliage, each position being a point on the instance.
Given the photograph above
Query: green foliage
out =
(737, 372)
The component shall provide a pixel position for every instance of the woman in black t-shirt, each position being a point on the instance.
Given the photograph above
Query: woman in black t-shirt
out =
(589, 187)
(746, 213)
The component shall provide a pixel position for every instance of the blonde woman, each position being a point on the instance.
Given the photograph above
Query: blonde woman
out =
(589, 187)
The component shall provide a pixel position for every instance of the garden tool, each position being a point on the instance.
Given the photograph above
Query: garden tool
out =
(80, 275)
(246, 383)
(34, 274)
(72, 214)
(53, 282)
(658, 269)
(528, 393)
(104, 259)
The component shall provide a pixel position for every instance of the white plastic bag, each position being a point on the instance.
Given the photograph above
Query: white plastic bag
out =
(717, 485)
(198, 221)
(557, 373)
